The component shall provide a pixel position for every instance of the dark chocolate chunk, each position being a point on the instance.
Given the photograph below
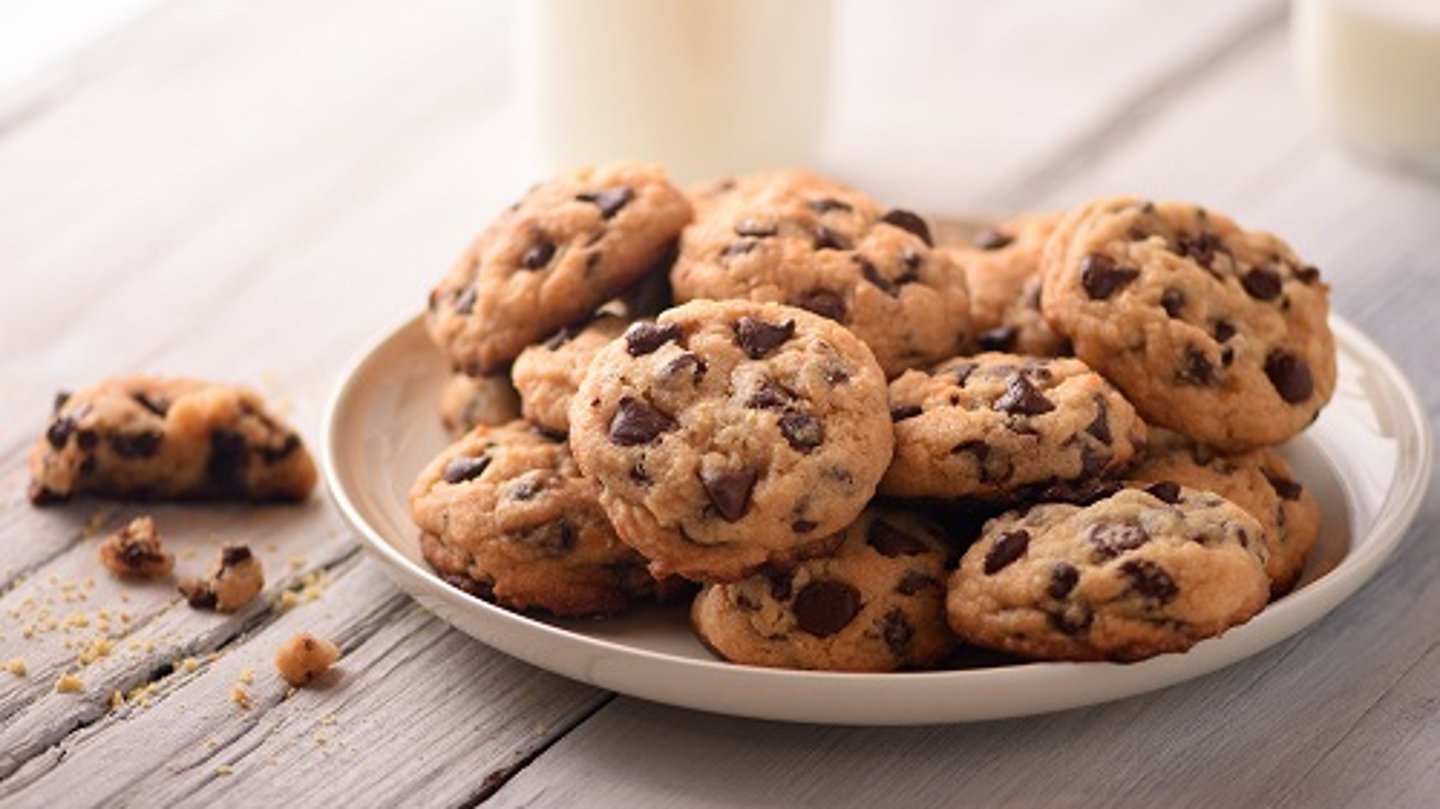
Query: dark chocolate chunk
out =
(198, 594)
(85, 438)
(683, 363)
(962, 371)
(905, 412)
(1261, 284)
(1063, 578)
(729, 490)
(232, 555)
(1100, 427)
(822, 302)
(136, 445)
(59, 431)
(913, 582)
(527, 487)
(645, 336)
(1196, 369)
(1010, 546)
(157, 405)
(1114, 538)
(61, 397)
(1308, 274)
(803, 431)
(1074, 619)
(1166, 490)
(993, 240)
(459, 470)
(636, 422)
(538, 254)
(1172, 301)
(897, 632)
(887, 540)
(1290, 376)
(1150, 580)
(1202, 248)
(803, 526)
(770, 396)
(825, 607)
(1000, 338)
(1223, 330)
(873, 276)
(552, 538)
(828, 204)
(1101, 278)
(737, 249)
(1023, 398)
(909, 221)
(758, 338)
(226, 465)
(610, 200)
(1287, 489)
(780, 582)
(827, 239)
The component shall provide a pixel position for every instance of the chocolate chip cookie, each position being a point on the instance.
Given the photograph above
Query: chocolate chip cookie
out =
(467, 401)
(1258, 481)
(1210, 330)
(1140, 573)
(548, 374)
(168, 438)
(551, 259)
(794, 238)
(876, 604)
(730, 434)
(1002, 271)
(507, 516)
(993, 425)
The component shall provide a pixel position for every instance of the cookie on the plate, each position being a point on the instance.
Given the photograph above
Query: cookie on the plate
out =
(164, 438)
(547, 374)
(793, 238)
(877, 603)
(1258, 481)
(1139, 573)
(1002, 271)
(730, 434)
(506, 515)
(467, 401)
(993, 425)
(1210, 330)
(570, 245)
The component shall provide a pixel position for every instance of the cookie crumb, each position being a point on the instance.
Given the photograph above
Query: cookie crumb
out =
(16, 666)
(98, 648)
(234, 579)
(240, 697)
(135, 552)
(189, 664)
(305, 657)
(224, 769)
(117, 700)
(68, 684)
(247, 676)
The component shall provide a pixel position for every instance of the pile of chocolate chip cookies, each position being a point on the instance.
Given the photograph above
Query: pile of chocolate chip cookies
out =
(865, 442)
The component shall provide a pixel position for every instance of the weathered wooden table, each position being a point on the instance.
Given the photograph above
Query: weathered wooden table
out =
(253, 190)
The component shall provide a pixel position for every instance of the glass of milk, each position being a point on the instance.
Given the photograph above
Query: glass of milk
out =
(1372, 67)
(706, 87)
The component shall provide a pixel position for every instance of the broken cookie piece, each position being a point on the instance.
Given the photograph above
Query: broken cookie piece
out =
(135, 551)
(234, 579)
(305, 658)
(168, 438)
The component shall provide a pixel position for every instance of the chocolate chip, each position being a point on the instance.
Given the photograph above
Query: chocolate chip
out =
(226, 464)
(1073, 619)
(1023, 398)
(909, 221)
(1261, 284)
(836, 375)
(61, 397)
(1100, 427)
(1287, 489)
(526, 488)
(1308, 274)
(1167, 491)
(961, 371)
(827, 239)
(538, 254)
(1290, 376)
(198, 594)
(905, 412)
(232, 555)
(1172, 301)
(59, 432)
(770, 396)
(1092, 461)
(683, 363)
(1101, 278)
(636, 422)
(993, 240)
(911, 261)
(158, 405)
(897, 632)
(465, 304)
(1000, 338)
(610, 200)
(1112, 539)
(803, 526)
(136, 445)
(822, 302)
(645, 336)
(827, 204)
(1150, 580)
(459, 470)
(1223, 330)
(1063, 578)
(552, 538)
(638, 475)
(745, 602)
(86, 438)
(974, 447)
(737, 249)
(780, 582)
(913, 582)
(1010, 546)
(758, 338)
(1201, 248)
(1196, 369)
(825, 607)
(873, 276)
(803, 431)
(887, 540)
(729, 490)
(755, 229)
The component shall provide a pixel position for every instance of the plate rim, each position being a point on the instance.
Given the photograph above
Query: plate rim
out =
(1394, 514)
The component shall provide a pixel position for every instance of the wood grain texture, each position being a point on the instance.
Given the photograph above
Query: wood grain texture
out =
(201, 191)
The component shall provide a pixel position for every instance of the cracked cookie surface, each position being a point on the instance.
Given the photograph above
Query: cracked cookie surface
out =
(727, 435)
(1210, 330)
(1140, 573)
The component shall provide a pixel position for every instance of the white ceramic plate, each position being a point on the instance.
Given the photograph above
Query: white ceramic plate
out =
(1367, 459)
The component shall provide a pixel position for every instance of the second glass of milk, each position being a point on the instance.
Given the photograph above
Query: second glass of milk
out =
(705, 87)
(1372, 67)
